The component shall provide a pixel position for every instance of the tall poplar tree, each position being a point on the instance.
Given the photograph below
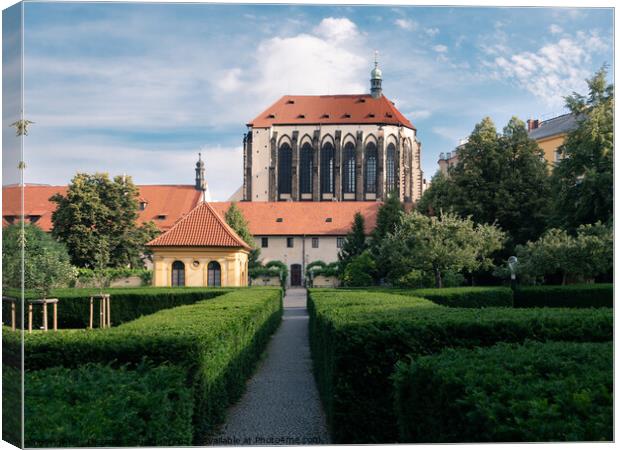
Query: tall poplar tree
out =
(354, 243)
(234, 217)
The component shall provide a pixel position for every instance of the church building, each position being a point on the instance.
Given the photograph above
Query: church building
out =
(332, 148)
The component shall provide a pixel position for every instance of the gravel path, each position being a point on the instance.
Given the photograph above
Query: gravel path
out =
(281, 405)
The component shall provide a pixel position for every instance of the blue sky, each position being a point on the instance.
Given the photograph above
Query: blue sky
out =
(142, 88)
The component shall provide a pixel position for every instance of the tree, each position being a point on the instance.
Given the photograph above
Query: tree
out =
(234, 218)
(437, 197)
(499, 178)
(359, 271)
(354, 243)
(581, 257)
(45, 262)
(388, 217)
(438, 245)
(583, 180)
(97, 209)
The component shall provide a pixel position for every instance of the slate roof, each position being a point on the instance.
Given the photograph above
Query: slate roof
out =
(330, 109)
(553, 127)
(201, 227)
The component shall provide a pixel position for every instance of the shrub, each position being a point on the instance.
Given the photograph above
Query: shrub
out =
(101, 406)
(571, 296)
(271, 269)
(216, 341)
(359, 271)
(89, 275)
(356, 338)
(467, 297)
(556, 391)
(126, 304)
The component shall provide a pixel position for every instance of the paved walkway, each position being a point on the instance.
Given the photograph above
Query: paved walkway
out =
(281, 405)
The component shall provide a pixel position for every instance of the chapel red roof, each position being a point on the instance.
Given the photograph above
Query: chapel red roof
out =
(303, 218)
(330, 109)
(201, 227)
(164, 204)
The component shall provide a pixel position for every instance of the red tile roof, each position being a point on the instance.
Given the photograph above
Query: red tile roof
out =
(330, 109)
(299, 218)
(165, 204)
(201, 227)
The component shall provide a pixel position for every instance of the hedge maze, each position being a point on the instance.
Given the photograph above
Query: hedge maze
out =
(164, 376)
(384, 359)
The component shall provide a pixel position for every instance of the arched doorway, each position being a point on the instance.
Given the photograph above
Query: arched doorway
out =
(178, 273)
(214, 274)
(295, 274)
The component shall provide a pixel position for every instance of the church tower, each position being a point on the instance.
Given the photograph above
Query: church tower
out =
(201, 183)
(375, 80)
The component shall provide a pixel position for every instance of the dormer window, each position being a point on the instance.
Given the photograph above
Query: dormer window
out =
(388, 115)
(328, 219)
(142, 205)
(161, 217)
(361, 100)
(271, 116)
(301, 116)
(10, 219)
(346, 116)
(290, 102)
(325, 116)
(34, 219)
(371, 115)
(279, 219)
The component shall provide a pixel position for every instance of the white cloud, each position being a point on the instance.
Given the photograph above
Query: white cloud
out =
(336, 29)
(555, 29)
(406, 24)
(419, 114)
(554, 70)
(432, 32)
(439, 48)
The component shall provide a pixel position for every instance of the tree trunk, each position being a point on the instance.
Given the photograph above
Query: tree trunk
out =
(563, 278)
(437, 278)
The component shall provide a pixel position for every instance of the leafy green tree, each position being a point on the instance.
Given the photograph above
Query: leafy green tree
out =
(354, 243)
(388, 217)
(45, 262)
(234, 218)
(94, 209)
(502, 179)
(438, 197)
(583, 179)
(359, 271)
(439, 245)
(577, 258)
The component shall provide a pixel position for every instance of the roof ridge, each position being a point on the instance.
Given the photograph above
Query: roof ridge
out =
(232, 233)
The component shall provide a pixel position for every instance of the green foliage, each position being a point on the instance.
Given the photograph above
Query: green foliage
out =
(12, 399)
(578, 258)
(45, 261)
(360, 270)
(354, 243)
(356, 338)
(438, 245)
(573, 296)
(101, 406)
(98, 212)
(499, 179)
(467, 297)
(234, 218)
(217, 342)
(556, 391)
(112, 274)
(389, 216)
(320, 268)
(582, 182)
(273, 268)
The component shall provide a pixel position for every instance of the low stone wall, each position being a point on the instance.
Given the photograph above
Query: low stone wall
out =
(321, 281)
(266, 281)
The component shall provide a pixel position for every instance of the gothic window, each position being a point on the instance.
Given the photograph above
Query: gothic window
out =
(390, 167)
(348, 179)
(285, 163)
(305, 172)
(370, 168)
(178, 273)
(327, 169)
(214, 272)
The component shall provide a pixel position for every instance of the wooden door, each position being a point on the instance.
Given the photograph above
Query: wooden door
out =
(296, 275)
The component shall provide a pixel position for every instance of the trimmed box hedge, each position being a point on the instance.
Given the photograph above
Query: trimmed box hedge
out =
(467, 297)
(217, 342)
(571, 296)
(555, 391)
(357, 337)
(126, 304)
(101, 406)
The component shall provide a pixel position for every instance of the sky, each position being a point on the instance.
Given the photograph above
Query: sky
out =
(140, 89)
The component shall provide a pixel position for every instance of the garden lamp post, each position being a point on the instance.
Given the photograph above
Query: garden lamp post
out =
(512, 265)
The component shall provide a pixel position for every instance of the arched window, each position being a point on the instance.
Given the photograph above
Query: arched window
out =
(178, 273)
(305, 169)
(285, 163)
(348, 179)
(214, 274)
(327, 168)
(390, 169)
(370, 168)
